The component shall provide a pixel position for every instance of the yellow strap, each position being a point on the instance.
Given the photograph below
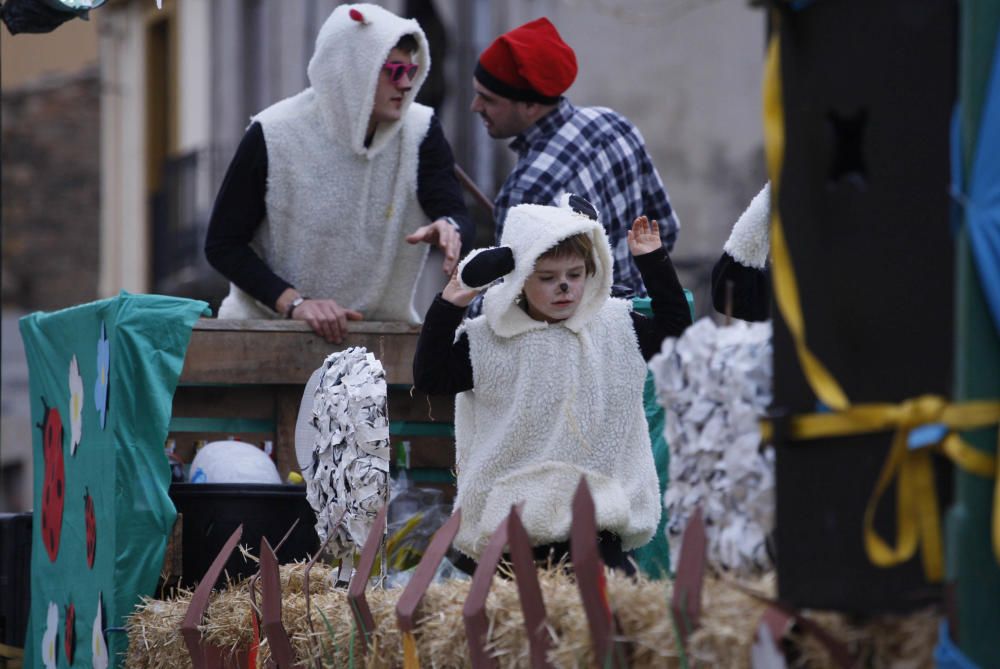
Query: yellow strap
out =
(969, 458)
(917, 519)
(996, 504)
(786, 290)
(410, 658)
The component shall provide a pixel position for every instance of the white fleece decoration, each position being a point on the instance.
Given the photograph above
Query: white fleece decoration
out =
(530, 230)
(749, 241)
(552, 402)
(715, 384)
(338, 211)
(350, 466)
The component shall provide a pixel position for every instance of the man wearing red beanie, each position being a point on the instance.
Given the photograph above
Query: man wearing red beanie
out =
(594, 152)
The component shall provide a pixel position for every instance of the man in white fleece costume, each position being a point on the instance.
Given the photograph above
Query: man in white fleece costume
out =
(550, 379)
(323, 211)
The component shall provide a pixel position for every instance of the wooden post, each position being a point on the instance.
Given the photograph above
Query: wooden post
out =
(590, 579)
(529, 591)
(406, 607)
(474, 609)
(205, 655)
(363, 619)
(274, 630)
(685, 604)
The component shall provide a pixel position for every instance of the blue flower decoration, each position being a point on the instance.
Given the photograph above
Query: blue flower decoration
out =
(103, 373)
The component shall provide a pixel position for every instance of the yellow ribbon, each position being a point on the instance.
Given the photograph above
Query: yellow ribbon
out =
(917, 521)
(916, 498)
(996, 507)
(410, 658)
(786, 289)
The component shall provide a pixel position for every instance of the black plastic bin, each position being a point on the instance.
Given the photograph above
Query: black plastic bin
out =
(213, 510)
(15, 577)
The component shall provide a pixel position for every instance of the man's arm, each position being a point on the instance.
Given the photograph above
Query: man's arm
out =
(438, 189)
(238, 211)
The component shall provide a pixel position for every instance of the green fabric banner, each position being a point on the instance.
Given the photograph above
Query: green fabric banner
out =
(654, 558)
(102, 378)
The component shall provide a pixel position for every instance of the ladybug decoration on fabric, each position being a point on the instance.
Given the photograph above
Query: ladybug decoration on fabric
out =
(54, 483)
(91, 525)
(69, 634)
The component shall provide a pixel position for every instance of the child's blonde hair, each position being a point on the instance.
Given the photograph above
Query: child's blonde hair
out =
(577, 245)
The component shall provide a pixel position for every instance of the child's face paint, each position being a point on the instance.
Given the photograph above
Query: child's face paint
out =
(554, 289)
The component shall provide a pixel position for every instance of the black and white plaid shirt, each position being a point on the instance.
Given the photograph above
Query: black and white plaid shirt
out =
(598, 154)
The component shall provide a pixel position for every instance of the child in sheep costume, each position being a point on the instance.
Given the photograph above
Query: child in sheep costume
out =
(550, 379)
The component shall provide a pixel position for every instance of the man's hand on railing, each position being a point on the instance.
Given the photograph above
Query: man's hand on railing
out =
(327, 318)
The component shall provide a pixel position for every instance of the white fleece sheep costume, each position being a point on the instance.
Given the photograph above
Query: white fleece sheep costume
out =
(337, 210)
(552, 402)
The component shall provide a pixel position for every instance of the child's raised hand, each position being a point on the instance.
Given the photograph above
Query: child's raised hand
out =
(456, 294)
(644, 236)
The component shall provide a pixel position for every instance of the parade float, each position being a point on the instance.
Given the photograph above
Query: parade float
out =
(882, 422)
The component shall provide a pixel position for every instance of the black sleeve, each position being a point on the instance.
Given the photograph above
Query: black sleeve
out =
(441, 365)
(438, 190)
(751, 289)
(238, 211)
(671, 314)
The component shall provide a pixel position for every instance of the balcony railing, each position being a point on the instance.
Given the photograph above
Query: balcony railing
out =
(179, 215)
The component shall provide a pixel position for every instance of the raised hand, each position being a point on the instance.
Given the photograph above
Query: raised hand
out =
(644, 236)
(456, 294)
(442, 234)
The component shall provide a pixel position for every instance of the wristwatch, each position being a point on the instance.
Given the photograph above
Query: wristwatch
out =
(291, 307)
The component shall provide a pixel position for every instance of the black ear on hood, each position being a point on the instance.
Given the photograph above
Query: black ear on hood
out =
(487, 266)
(582, 206)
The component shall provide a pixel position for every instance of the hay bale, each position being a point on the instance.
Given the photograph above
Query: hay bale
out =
(154, 633)
(730, 617)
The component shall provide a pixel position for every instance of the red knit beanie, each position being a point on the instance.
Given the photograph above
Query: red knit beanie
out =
(530, 63)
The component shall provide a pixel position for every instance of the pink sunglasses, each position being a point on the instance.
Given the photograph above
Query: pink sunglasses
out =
(396, 70)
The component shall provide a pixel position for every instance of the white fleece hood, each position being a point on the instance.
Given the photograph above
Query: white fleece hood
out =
(749, 241)
(531, 230)
(351, 48)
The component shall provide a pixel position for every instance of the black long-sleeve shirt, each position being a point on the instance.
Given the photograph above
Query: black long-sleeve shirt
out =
(442, 365)
(240, 208)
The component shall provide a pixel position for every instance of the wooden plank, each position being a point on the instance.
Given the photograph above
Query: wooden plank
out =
(286, 411)
(244, 356)
(361, 327)
(419, 406)
(433, 452)
(231, 402)
(364, 621)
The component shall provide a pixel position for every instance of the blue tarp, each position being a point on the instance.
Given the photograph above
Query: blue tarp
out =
(980, 197)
